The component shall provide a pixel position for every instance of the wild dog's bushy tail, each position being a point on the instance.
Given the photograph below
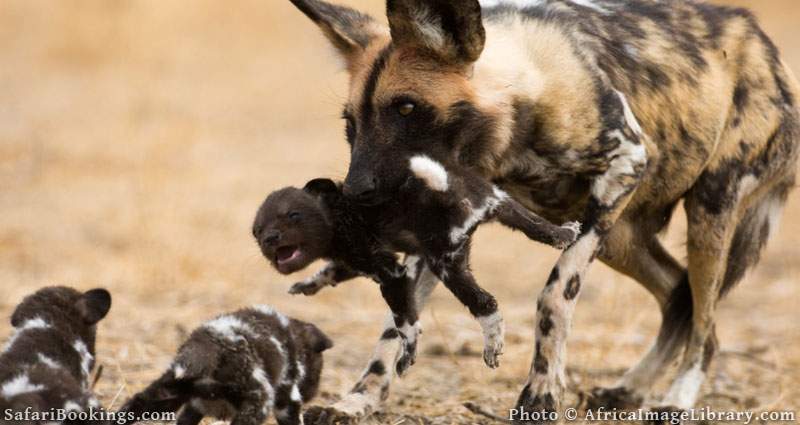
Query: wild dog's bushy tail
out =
(752, 234)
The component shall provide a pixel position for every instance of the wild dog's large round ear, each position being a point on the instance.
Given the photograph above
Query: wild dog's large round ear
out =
(94, 305)
(320, 186)
(348, 30)
(452, 29)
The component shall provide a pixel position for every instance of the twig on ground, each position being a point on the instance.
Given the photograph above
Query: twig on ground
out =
(478, 410)
(97, 375)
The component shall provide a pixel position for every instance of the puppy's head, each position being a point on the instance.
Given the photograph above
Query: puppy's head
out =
(292, 229)
(60, 306)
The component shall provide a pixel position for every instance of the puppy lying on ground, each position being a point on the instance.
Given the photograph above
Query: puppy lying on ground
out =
(46, 363)
(241, 366)
(433, 217)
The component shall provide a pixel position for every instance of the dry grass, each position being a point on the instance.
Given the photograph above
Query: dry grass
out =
(137, 138)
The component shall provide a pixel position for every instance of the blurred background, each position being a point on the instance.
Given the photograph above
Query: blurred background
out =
(138, 137)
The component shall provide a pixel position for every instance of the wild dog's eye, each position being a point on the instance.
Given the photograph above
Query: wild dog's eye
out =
(406, 108)
(293, 215)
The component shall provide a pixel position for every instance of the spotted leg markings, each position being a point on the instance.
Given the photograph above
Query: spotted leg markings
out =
(493, 329)
(370, 390)
(409, 334)
(546, 381)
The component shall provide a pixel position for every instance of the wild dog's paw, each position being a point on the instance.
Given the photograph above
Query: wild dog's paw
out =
(536, 408)
(569, 234)
(319, 415)
(664, 415)
(612, 398)
(305, 288)
(493, 338)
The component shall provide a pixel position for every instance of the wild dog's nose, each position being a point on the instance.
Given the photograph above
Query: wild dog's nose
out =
(362, 189)
(272, 238)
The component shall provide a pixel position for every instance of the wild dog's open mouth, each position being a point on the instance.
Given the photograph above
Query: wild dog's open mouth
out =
(287, 257)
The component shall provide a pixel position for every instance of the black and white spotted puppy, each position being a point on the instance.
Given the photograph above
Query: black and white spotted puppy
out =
(46, 364)
(240, 366)
(432, 218)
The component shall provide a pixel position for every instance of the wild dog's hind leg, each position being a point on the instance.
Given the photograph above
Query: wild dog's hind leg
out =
(633, 249)
(727, 229)
(372, 388)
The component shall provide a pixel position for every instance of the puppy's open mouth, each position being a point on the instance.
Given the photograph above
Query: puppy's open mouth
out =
(287, 257)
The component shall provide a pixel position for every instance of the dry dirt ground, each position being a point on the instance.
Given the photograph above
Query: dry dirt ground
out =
(138, 137)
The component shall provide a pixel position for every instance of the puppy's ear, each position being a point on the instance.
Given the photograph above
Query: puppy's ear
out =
(321, 187)
(348, 30)
(316, 339)
(94, 305)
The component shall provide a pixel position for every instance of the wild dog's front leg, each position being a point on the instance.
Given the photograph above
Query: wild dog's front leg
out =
(453, 269)
(331, 274)
(610, 193)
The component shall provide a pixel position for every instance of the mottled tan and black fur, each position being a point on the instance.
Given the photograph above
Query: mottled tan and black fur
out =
(603, 111)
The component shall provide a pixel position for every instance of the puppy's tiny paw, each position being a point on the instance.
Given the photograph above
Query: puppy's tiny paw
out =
(492, 352)
(572, 230)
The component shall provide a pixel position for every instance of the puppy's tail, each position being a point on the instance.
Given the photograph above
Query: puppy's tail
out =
(176, 387)
(166, 395)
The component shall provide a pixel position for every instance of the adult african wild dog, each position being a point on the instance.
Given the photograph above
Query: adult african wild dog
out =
(604, 111)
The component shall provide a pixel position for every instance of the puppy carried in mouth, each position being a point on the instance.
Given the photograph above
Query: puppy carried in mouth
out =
(432, 218)
(243, 365)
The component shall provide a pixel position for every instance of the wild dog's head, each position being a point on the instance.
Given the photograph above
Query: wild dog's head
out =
(292, 226)
(410, 89)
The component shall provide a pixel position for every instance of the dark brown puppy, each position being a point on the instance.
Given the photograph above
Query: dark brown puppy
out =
(45, 365)
(240, 366)
(433, 217)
